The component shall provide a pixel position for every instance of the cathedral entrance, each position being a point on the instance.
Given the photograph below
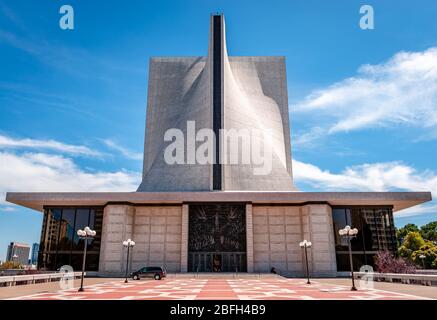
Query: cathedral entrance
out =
(217, 238)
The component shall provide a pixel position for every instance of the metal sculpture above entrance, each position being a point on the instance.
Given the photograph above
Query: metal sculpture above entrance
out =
(217, 238)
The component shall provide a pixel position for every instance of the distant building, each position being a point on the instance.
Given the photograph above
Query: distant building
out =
(18, 252)
(34, 256)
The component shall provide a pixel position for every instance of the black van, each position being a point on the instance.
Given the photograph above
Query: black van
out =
(156, 273)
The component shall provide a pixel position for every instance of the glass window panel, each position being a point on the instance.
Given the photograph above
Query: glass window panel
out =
(376, 233)
(51, 230)
(59, 238)
(47, 261)
(96, 219)
(359, 260)
(369, 229)
(92, 218)
(339, 222)
(92, 262)
(357, 243)
(66, 232)
(42, 239)
(63, 260)
(343, 262)
(82, 216)
(76, 262)
(370, 259)
(385, 230)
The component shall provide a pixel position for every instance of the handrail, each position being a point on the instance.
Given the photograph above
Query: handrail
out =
(12, 280)
(404, 277)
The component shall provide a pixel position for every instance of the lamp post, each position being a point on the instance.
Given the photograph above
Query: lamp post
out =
(350, 233)
(127, 244)
(306, 244)
(422, 257)
(84, 234)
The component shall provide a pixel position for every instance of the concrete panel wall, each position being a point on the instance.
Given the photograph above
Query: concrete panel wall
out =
(157, 232)
(318, 228)
(277, 231)
(117, 227)
(273, 236)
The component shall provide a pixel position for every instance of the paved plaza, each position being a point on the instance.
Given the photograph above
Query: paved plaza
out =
(173, 288)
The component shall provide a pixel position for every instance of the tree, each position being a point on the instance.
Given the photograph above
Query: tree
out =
(429, 231)
(386, 262)
(413, 241)
(429, 250)
(401, 233)
(434, 264)
(9, 265)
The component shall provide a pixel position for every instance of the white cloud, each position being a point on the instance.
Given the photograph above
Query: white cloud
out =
(7, 208)
(40, 172)
(124, 151)
(11, 143)
(307, 138)
(401, 91)
(388, 176)
(419, 210)
(367, 177)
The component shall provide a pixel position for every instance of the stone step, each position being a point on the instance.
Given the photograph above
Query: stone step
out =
(222, 275)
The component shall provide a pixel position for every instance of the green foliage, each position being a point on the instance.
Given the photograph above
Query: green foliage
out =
(10, 265)
(412, 242)
(434, 264)
(401, 233)
(429, 231)
(416, 242)
(429, 250)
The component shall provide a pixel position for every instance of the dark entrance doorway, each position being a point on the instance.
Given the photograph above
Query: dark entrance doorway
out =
(217, 238)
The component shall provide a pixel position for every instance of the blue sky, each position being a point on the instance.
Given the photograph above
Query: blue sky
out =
(73, 103)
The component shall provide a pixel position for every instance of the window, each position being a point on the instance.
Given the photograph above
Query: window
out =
(60, 244)
(375, 233)
(82, 217)
(66, 231)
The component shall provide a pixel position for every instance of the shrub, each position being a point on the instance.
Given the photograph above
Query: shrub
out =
(9, 265)
(412, 242)
(429, 250)
(386, 262)
(434, 264)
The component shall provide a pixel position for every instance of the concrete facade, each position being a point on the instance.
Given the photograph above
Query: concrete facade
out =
(156, 230)
(273, 234)
(277, 231)
(254, 99)
(251, 94)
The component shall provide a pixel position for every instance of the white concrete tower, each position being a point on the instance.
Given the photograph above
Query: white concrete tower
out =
(241, 98)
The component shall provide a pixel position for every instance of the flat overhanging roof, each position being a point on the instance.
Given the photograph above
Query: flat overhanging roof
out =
(37, 200)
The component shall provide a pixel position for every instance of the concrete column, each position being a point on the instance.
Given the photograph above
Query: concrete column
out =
(184, 239)
(318, 228)
(249, 237)
(117, 227)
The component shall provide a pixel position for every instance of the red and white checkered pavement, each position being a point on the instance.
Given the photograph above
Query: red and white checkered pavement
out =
(235, 289)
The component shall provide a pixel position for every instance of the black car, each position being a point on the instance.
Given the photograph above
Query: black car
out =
(156, 273)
